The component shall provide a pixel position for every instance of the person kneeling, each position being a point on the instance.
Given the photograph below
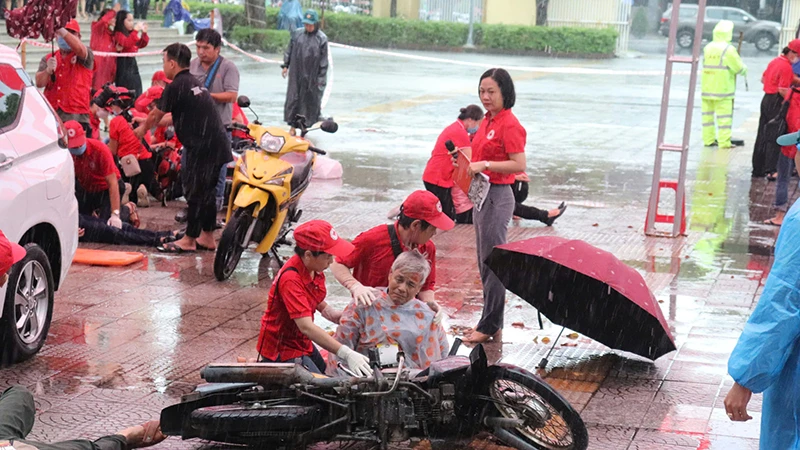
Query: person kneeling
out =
(397, 317)
(288, 332)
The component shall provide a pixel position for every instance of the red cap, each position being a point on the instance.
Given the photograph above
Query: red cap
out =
(72, 25)
(319, 236)
(150, 95)
(160, 76)
(423, 205)
(10, 254)
(76, 136)
(794, 45)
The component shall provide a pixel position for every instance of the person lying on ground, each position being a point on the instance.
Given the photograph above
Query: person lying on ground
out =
(396, 317)
(93, 229)
(288, 332)
(18, 413)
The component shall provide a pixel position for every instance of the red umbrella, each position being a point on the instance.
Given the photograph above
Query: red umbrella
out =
(39, 17)
(586, 289)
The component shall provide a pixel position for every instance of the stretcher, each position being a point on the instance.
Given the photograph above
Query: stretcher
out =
(106, 257)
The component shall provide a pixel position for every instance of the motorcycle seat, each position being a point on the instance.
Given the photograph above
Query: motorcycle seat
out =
(302, 163)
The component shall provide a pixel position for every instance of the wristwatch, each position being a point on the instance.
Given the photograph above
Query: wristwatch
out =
(115, 212)
(487, 165)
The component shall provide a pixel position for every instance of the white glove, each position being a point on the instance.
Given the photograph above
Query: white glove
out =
(362, 295)
(115, 221)
(356, 362)
(51, 65)
(440, 315)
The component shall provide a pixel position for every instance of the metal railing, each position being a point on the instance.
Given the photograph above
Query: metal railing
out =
(361, 7)
(593, 14)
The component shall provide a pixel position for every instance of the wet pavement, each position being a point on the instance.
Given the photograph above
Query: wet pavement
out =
(126, 342)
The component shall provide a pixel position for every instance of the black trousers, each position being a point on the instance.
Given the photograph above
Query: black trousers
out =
(201, 198)
(146, 178)
(520, 189)
(445, 196)
(96, 230)
(766, 150)
(100, 202)
(17, 415)
(140, 9)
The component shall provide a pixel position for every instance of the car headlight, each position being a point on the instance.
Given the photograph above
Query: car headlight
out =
(271, 144)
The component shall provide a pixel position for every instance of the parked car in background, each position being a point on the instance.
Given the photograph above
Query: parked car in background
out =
(764, 34)
(38, 209)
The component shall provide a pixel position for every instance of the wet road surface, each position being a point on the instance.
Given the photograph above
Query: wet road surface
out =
(126, 342)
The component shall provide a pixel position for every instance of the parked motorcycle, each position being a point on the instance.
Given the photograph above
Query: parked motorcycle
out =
(272, 173)
(283, 404)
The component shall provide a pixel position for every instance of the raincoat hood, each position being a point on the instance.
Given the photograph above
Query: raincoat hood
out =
(723, 32)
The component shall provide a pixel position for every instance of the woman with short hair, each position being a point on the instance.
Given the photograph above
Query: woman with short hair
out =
(498, 151)
(396, 317)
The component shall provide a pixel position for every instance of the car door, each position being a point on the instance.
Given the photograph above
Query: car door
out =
(742, 22)
(713, 16)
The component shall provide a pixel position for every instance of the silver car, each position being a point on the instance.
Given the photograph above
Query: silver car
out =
(764, 34)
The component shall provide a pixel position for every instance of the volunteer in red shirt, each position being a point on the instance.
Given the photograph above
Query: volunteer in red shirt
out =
(498, 151)
(288, 331)
(98, 186)
(10, 254)
(123, 142)
(375, 250)
(128, 40)
(67, 76)
(786, 160)
(102, 40)
(159, 79)
(438, 174)
(777, 79)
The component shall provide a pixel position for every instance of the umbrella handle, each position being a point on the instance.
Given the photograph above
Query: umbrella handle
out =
(543, 362)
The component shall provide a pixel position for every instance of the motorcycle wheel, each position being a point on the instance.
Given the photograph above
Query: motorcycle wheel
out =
(246, 424)
(230, 246)
(553, 423)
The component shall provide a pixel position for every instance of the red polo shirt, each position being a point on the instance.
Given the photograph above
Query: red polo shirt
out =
(294, 296)
(92, 168)
(778, 74)
(496, 138)
(71, 90)
(372, 258)
(127, 143)
(439, 170)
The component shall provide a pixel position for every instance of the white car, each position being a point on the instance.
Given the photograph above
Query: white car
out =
(38, 209)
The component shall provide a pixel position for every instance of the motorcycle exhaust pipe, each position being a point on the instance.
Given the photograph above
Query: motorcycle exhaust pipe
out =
(502, 422)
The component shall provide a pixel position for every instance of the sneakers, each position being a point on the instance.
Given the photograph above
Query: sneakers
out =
(143, 197)
(126, 194)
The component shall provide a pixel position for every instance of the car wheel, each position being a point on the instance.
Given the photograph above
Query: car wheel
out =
(28, 306)
(764, 42)
(685, 38)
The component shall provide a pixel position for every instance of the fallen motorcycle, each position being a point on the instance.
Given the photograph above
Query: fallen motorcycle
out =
(283, 404)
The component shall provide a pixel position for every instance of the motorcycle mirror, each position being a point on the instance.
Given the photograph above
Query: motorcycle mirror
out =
(329, 126)
(243, 101)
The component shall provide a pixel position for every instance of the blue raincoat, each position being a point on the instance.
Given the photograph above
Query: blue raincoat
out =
(767, 356)
(290, 16)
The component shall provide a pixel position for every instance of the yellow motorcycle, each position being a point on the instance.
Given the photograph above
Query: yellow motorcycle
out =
(270, 176)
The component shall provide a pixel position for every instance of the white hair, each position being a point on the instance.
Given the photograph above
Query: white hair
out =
(412, 262)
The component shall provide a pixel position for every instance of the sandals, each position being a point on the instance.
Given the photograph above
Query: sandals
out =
(172, 247)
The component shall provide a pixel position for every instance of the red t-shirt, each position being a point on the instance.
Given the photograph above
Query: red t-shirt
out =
(372, 258)
(127, 143)
(92, 168)
(132, 42)
(439, 170)
(294, 296)
(792, 120)
(778, 74)
(496, 138)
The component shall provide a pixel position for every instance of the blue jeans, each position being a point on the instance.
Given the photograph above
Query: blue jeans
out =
(785, 166)
(123, 4)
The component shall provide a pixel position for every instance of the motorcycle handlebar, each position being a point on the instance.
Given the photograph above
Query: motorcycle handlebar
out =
(237, 126)
(316, 150)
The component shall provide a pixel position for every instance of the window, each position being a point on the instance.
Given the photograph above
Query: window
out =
(11, 88)
(715, 14)
(738, 16)
(687, 13)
